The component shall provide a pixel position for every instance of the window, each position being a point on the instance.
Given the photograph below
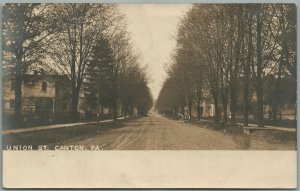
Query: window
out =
(12, 103)
(12, 85)
(44, 86)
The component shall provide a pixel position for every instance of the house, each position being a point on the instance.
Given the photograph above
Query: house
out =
(94, 109)
(44, 97)
(207, 107)
(38, 97)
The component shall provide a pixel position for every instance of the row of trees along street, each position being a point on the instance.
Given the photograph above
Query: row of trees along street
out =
(87, 43)
(232, 51)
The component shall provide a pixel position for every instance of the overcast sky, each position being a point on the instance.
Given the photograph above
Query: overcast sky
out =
(153, 28)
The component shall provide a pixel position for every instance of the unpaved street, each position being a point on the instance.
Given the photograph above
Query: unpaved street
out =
(147, 133)
(157, 133)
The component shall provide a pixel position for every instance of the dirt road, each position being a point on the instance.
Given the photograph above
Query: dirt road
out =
(157, 133)
(147, 133)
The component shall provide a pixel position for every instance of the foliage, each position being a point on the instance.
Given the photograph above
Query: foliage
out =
(226, 45)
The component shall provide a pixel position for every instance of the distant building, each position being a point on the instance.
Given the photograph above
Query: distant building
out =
(285, 101)
(207, 107)
(94, 109)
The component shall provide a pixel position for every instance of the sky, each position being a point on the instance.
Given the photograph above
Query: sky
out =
(153, 29)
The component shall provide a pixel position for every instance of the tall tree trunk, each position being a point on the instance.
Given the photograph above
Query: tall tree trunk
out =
(131, 112)
(247, 71)
(125, 110)
(19, 74)
(238, 59)
(114, 110)
(102, 111)
(216, 103)
(224, 98)
(274, 112)
(224, 105)
(259, 52)
(199, 99)
(276, 91)
(198, 112)
(74, 111)
(188, 103)
(18, 93)
(246, 104)
(260, 107)
(190, 109)
(233, 98)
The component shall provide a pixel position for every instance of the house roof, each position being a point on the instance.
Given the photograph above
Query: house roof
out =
(37, 77)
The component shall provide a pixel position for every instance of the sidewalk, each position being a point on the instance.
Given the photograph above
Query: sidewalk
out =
(272, 127)
(38, 128)
(267, 126)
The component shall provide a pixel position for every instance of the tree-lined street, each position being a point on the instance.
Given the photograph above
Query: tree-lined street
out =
(66, 67)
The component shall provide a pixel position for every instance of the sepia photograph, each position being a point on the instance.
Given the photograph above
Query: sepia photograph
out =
(93, 77)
